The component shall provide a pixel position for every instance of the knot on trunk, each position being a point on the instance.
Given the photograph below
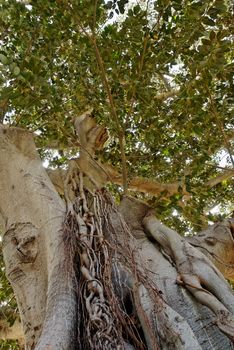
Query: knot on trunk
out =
(22, 239)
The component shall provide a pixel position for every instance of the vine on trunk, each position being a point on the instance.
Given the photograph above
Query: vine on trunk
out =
(120, 304)
(104, 321)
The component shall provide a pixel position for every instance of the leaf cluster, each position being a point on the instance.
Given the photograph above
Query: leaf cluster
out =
(179, 49)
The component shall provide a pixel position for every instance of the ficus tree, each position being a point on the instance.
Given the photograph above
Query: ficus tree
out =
(116, 172)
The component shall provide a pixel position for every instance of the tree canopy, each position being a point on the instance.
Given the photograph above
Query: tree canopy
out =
(157, 74)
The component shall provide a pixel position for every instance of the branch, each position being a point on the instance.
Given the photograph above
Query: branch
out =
(114, 115)
(92, 137)
(100, 174)
(222, 177)
(153, 187)
(106, 84)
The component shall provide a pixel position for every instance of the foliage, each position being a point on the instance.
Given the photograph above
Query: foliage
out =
(50, 74)
(9, 345)
(168, 66)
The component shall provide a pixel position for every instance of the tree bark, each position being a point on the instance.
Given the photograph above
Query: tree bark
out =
(32, 216)
(83, 267)
(217, 243)
(161, 268)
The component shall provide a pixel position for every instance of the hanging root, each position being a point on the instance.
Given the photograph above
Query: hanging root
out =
(162, 326)
(90, 258)
(119, 305)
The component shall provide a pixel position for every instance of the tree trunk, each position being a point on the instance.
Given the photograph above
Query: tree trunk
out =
(32, 215)
(90, 275)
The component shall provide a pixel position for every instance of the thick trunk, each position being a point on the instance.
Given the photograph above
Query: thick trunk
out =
(32, 215)
(85, 279)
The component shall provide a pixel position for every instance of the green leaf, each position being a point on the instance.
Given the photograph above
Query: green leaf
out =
(16, 71)
(3, 59)
(207, 20)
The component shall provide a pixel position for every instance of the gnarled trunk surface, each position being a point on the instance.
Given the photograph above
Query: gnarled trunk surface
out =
(90, 275)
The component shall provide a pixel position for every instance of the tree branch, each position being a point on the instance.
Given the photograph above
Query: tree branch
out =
(222, 177)
(114, 114)
(120, 131)
(101, 174)
(92, 137)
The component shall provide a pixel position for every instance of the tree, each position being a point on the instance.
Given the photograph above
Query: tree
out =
(129, 107)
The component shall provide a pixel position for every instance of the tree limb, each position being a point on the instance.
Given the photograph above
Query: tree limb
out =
(92, 137)
(106, 84)
(222, 177)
